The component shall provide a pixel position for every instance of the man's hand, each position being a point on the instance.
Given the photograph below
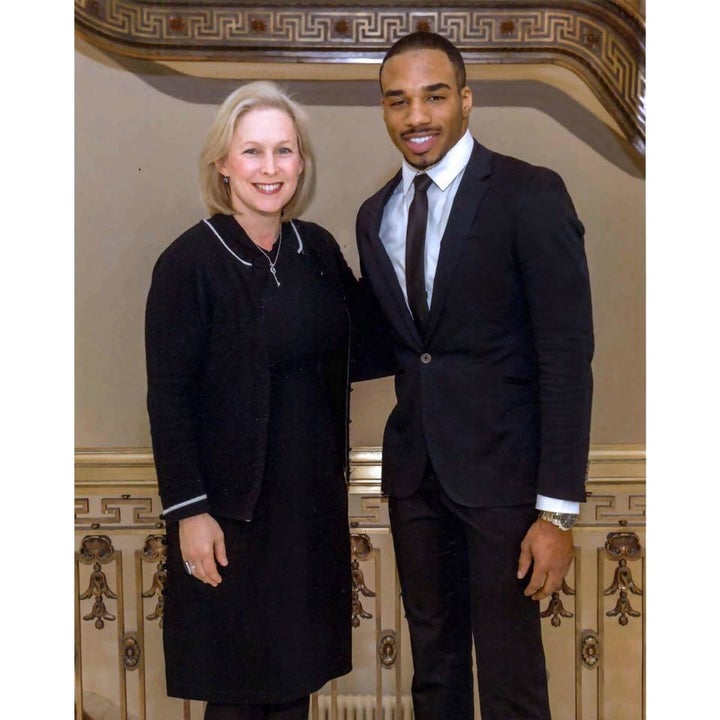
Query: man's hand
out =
(550, 550)
(201, 543)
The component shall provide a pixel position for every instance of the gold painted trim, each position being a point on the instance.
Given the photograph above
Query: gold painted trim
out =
(116, 489)
(101, 468)
(602, 41)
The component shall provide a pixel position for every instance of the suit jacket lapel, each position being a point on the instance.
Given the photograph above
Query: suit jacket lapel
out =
(388, 290)
(469, 197)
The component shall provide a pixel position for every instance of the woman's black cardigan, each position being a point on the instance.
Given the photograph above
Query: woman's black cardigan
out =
(208, 370)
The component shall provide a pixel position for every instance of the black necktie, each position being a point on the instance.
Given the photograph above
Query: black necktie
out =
(415, 251)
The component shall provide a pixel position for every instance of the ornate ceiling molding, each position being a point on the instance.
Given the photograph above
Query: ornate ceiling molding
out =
(602, 41)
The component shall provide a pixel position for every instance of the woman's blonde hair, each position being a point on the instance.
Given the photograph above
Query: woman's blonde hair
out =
(254, 95)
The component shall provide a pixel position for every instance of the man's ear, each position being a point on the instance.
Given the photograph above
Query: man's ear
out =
(466, 98)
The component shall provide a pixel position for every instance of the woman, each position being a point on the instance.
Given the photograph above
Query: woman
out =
(247, 338)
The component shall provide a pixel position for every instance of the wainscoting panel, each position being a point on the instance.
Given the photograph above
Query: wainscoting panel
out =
(594, 628)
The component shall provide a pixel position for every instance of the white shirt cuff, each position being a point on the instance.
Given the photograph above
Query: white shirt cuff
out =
(555, 505)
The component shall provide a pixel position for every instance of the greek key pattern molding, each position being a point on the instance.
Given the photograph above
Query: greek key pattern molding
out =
(116, 490)
(603, 41)
(125, 511)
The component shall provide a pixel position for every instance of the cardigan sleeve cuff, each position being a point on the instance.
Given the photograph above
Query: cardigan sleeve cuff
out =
(193, 506)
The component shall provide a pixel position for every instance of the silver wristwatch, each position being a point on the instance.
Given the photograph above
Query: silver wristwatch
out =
(564, 521)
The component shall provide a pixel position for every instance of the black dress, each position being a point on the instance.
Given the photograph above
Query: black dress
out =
(278, 626)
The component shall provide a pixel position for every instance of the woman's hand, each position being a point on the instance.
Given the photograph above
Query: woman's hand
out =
(202, 543)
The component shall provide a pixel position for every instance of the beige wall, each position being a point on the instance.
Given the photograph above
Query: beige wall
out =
(138, 131)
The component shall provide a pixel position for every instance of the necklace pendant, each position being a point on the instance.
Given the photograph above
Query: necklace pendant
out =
(274, 274)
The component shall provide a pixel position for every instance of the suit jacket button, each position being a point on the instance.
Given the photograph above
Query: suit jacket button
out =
(425, 358)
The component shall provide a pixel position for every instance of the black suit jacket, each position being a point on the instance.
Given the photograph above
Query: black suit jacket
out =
(497, 395)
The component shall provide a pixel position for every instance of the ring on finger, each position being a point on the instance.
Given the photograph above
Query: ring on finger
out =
(188, 567)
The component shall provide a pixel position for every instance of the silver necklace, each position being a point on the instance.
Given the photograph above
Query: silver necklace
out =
(277, 257)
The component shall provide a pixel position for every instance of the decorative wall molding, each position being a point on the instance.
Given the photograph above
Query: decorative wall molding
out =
(602, 41)
(361, 550)
(134, 466)
(98, 551)
(116, 488)
(623, 546)
(595, 622)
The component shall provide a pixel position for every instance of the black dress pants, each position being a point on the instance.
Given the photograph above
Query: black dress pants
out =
(457, 568)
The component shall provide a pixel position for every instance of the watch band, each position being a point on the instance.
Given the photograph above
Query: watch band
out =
(565, 521)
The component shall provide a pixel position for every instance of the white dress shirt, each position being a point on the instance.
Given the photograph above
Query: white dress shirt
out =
(446, 176)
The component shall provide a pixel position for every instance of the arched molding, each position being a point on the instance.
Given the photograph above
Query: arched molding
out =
(602, 41)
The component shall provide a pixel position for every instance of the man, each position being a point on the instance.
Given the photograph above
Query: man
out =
(484, 456)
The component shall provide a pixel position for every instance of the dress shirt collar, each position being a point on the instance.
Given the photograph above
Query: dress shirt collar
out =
(445, 171)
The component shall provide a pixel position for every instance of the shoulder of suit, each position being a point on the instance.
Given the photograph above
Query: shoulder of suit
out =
(519, 170)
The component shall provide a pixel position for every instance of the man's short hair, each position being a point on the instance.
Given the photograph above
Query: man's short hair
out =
(428, 41)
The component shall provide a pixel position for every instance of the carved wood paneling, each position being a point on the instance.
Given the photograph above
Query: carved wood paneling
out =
(603, 41)
(361, 550)
(590, 649)
(593, 627)
(623, 546)
(556, 609)
(98, 551)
